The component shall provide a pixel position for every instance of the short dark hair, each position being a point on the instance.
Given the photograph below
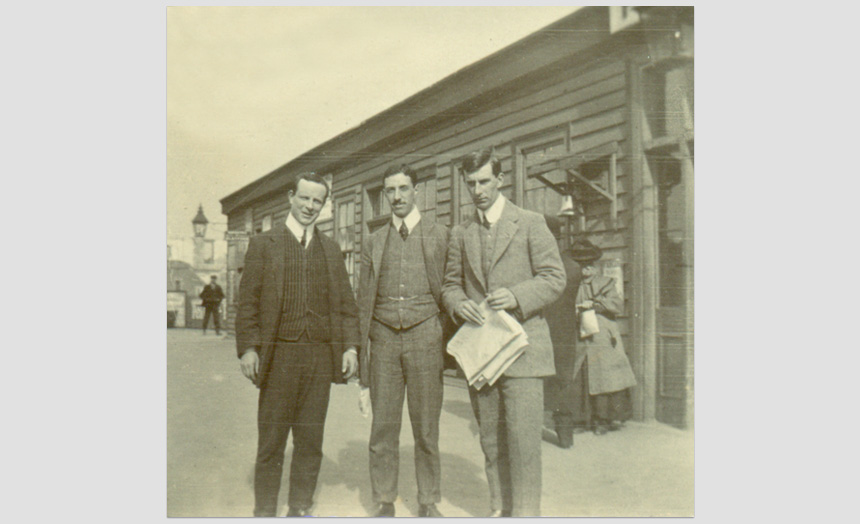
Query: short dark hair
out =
(478, 159)
(214, 277)
(310, 177)
(403, 168)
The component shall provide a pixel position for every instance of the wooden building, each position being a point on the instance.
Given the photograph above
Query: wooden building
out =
(598, 105)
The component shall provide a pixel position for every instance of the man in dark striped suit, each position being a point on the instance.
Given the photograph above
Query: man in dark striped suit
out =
(296, 333)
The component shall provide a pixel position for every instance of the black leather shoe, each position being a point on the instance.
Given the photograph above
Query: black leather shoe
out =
(565, 436)
(298, 512)
(429, 510)
(385, 509)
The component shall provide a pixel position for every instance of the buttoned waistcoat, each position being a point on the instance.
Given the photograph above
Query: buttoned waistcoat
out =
(434, 245)
(261, 299)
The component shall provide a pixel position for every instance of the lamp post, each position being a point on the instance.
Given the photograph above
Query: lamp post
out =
(200, 222)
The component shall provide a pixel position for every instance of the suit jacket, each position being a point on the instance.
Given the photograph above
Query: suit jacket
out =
(525, 260)
(261, 299)
(212, 295)
(434, 245)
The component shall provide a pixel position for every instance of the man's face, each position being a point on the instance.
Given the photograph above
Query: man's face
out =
(589, 270)
(484, 186)
(400, 193)
(307, 201)
(212, 282)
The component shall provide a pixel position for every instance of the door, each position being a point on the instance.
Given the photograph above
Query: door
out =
(674, 178)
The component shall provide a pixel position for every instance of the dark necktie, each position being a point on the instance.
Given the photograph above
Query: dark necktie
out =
(404, 231)
(304, 238)
(485, 222)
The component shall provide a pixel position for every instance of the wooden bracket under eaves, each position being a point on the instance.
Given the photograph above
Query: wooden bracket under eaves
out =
(604, 184)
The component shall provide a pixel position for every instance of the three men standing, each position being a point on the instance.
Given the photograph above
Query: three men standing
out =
(400, 305)
(298, 329)
(296, 333)
(507, 256)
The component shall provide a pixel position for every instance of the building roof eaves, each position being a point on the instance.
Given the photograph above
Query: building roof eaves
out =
(540, 48)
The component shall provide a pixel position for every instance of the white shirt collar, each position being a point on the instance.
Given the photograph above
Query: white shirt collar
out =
(495, 212)
(298, 230)
(411, 219)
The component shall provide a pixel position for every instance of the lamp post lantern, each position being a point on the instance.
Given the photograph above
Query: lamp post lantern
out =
(200, 223)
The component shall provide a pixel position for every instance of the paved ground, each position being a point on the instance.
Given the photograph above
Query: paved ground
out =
(643, 470)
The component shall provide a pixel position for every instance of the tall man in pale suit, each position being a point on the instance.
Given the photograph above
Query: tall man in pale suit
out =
(400, 305)
(507, 256)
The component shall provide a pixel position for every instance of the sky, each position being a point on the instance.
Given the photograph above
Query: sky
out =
(251, 88)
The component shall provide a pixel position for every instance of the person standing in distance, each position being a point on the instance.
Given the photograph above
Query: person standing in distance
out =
(212, 295)
(507, 256)
(296, 333)
(400, 305)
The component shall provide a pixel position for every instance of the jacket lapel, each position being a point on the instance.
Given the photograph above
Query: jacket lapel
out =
(378, 239)
(429, 250)
(279, 266)
(472, 241)
(507, 229)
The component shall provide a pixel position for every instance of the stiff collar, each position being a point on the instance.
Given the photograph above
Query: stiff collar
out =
(298, 230)
(411, 219)
(495, 212)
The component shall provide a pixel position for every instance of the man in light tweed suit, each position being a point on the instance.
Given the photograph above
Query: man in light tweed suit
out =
(507, 256)
(400, 312)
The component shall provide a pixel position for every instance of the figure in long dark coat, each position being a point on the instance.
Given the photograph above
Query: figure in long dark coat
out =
(602, 361)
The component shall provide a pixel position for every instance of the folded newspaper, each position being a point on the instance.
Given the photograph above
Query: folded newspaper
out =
(484, 352)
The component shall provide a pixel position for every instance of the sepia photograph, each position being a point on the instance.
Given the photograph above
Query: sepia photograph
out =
(430, 261)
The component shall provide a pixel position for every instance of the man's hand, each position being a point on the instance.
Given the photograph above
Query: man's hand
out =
(502, 298)
(250, 364)
(350, 363)
(470, 311)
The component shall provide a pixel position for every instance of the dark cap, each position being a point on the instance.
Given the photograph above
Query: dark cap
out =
(585, 252)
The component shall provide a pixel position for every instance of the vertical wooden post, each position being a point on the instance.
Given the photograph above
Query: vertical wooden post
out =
(613, 205)
(455, 195)
(643, 256)
(687, 174)
(519, 177)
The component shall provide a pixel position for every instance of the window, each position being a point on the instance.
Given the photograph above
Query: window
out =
(326, 211)
(672, 216)
(425, 200)
(345, 234)
(249, 220)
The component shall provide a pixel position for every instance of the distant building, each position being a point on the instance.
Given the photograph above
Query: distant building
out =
(595, 112)
(191, 262)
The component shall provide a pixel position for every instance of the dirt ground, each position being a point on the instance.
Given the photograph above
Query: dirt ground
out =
(642, 470)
